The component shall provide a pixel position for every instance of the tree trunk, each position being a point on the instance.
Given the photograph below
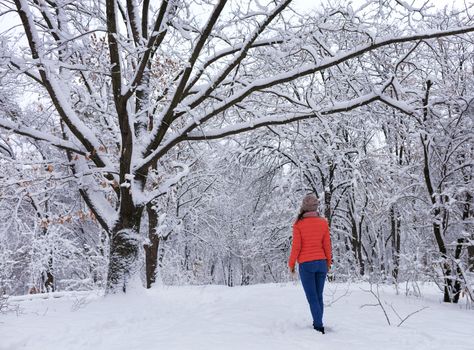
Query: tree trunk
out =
(357, 245)
(470, 254)
(151, 249)
(451, 289)
(467, 215)
(356, 236)
(48, 277)
(457, 283)
(230, 279)
(395, 234)
(124, 253)
(328, 192)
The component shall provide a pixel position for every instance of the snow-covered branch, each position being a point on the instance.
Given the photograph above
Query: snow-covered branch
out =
(282, 119)
(41, 136)
(305, 70)
(103, 210)
(164, 187)
(56, 89)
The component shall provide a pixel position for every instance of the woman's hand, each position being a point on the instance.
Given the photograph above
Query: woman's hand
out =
(292, 270)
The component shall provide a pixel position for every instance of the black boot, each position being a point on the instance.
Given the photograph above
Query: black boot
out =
(320, 329)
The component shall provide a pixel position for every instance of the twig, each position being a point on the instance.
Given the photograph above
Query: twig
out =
(396, 313)
(379, 303)
(414, 312)
(333, 293)
(79, 303)
(6, 306)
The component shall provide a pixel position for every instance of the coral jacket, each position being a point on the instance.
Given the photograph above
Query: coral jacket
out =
(311, 241)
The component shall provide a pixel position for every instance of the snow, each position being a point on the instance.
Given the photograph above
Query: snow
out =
(270, 316)
(286, 117)
(141, 198)
(38, 135)
(100, 203)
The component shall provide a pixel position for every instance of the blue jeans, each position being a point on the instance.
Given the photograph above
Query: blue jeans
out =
(313, 274)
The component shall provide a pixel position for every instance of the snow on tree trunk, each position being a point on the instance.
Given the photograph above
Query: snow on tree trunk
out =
(123, 258)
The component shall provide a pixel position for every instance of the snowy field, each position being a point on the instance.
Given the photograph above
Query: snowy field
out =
(272, 316)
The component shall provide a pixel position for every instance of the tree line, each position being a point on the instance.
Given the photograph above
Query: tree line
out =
(142, 137)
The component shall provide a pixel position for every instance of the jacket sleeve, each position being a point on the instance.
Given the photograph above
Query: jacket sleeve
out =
(327, 246)
(295, 247)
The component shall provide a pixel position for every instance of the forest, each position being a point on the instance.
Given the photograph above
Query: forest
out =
(172, 141)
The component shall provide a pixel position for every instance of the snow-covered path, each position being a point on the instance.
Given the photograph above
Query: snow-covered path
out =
(272, 316)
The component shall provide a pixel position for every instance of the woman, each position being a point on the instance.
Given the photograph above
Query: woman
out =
(312, 249)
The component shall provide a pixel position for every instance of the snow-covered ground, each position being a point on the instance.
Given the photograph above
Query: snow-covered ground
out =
(272, 316)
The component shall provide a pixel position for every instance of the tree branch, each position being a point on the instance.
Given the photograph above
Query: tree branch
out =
(293, 74)
(116, 68)
(156, 37)
(168, 115)
(40, 136)
(225, 53)
(55, 90)
(247, 126)
(134, 20)
(272, 120)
